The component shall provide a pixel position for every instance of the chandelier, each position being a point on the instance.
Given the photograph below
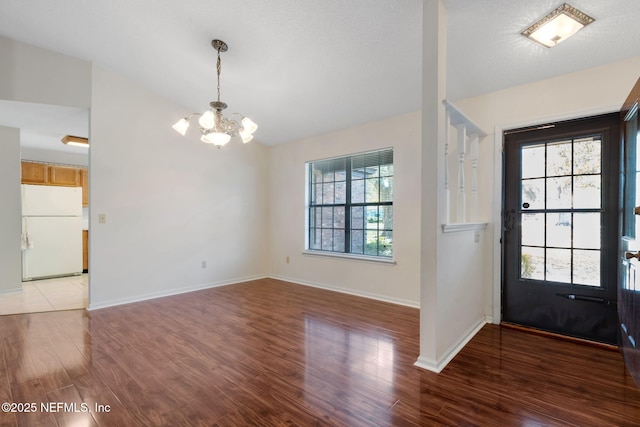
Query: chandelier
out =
(214, 127)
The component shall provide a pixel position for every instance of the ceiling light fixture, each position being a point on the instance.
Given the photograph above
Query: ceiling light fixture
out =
(214, 127)
(76, 141)
(558, 26)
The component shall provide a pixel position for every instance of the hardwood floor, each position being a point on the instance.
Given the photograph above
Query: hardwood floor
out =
(271, 353)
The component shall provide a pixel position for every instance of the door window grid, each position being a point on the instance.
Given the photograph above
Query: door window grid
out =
(561, 211)
(351, 204)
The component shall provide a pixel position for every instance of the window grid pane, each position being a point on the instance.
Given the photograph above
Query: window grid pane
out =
(351, 204)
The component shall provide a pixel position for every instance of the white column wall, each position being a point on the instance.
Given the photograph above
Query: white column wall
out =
(10, 211)
(451, 286)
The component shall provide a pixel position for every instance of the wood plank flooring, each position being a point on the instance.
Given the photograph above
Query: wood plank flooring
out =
(271, 353)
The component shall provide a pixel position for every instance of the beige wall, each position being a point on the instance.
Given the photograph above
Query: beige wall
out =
(398, 283)
(171, 202)
(589, 92)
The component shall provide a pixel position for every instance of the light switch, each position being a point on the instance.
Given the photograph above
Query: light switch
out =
(102, 218)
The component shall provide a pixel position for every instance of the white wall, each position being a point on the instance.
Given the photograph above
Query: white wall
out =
(32, 74)
(171, 202)
(10, 211)
(398, 283)
(589, 92)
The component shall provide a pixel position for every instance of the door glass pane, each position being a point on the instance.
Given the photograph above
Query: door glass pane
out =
(586, 230)
(559, 158)
(532, 263)
(586, 267)
(559, 229)
(533, 229)
(558, 265)
(587, 154)
(560, 242)
(559, 193)
(586, 192)
(533, 193)
(533, 161)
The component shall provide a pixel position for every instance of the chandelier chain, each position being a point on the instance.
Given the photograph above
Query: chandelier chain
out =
(218, 68)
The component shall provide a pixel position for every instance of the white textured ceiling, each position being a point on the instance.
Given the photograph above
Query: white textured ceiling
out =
(305, 67)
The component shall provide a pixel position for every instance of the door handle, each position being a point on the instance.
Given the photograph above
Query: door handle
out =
(636, 210)
(629, 255)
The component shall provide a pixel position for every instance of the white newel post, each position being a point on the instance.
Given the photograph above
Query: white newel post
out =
(462, 147)
(473, 148)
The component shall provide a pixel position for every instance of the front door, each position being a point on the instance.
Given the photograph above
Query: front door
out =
(560, 227)
(629, 293)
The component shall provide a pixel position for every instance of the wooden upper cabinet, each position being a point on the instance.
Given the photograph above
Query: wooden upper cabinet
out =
(84, 181)
(65, 176)
(35, 173)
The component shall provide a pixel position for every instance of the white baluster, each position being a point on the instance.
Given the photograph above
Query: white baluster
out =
(462, 146)
(473, 148)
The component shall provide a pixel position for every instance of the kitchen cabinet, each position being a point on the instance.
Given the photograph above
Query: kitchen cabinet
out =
(35, 173)
(84, 181)
(52, 174)
(85, 250)
(64, 176)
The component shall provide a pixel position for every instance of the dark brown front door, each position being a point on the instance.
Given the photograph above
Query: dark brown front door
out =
(560, 227)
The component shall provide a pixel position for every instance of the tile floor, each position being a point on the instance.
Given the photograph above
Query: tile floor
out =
(63, 293)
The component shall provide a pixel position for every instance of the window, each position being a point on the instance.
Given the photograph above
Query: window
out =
(350, 206)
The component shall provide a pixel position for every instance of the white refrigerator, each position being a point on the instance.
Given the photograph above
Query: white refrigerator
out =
(51, 231)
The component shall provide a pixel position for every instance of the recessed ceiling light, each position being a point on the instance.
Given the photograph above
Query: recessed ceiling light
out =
(558, 26)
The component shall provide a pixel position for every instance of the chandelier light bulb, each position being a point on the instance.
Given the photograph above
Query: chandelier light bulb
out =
(219, 138)
(207, 120)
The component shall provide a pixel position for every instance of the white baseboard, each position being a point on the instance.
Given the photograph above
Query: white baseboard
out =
(170, 292)
(438, 365)
(11, 291)
(383, 298)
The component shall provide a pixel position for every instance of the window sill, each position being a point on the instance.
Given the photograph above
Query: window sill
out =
(463, 226)
(380, 260)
